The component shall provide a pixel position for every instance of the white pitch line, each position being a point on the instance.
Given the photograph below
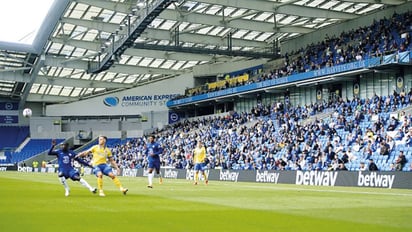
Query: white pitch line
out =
(277, 187)
(326, 190)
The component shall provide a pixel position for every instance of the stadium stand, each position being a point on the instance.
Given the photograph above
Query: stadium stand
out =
(275, 137)
(355, 132)
(383, 37)
(32, 148)
(283, 138)
(334, 135)
(12, 136)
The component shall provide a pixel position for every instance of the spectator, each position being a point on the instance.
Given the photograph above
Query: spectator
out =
(351, 155)
(400, 161)
(384, 148)
(345, 157)
(372, 166)
(362, 166)
(393, 123)
(278, 139)
(399, 135)
(342, 167)
(35, 165)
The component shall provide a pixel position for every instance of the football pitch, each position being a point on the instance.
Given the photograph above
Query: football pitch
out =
(36, 202)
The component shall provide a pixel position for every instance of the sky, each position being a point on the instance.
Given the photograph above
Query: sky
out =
(21, 19)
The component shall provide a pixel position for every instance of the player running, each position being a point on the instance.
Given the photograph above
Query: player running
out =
(153, 150)
(66, 170)
(199, 157)
(100, 167)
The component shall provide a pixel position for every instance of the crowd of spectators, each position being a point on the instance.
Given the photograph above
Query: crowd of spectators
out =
(359, 133)
(383, 37)
(356, 134)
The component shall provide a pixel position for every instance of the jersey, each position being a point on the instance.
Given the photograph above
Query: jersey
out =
(199, 155)
(100, 155)
(155, 149)
(64, 158)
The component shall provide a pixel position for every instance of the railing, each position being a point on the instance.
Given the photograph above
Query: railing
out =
(296, 79)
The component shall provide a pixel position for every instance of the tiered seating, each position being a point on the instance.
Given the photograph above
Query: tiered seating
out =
(32, 148)
(384, 163)
(383, 37)
(266, 138)
(12, 136)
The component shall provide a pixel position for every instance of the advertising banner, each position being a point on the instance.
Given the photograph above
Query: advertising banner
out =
(313, 178)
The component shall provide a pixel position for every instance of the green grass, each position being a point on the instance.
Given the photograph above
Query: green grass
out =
(36, 202)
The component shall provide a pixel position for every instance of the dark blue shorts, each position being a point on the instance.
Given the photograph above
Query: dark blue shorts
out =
(69, 173)
(154, 164)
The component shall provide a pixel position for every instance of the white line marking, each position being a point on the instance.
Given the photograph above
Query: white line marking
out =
(325, 190)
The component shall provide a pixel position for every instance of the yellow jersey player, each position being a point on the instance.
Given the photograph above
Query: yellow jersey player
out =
(199, 157)
(100, 167)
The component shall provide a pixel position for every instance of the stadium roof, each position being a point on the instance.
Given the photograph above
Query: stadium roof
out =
(56, 66)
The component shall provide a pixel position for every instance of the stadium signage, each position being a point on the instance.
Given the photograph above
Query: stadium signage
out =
(341, 68)
(316, 178)
(25, 169)
(3, 169)
(228, 176)
(375, 180)
(146, 100)
(357, 65)
(220, 93)
(171, 174)
(267, 177)
(190, 175)
(129, 172)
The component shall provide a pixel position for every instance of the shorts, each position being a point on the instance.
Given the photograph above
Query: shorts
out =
(69, 173)
(154, 164)
(199, 167)
(103, 168)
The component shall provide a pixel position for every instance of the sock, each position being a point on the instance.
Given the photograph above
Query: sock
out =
(150, 178)
(85, 184)
(204, 176)
(117, 182)
(64, 183)
(196, 176)
(100, 183)
(158, 175)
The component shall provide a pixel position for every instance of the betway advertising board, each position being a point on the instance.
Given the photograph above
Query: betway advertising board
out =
(314, 178)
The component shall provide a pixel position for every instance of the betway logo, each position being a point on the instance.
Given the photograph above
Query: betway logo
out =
(267, 177)
(25, 169)
(228, 176)
(316, 178)
(190, 175)
(170, 173)
(130, 172)
(375, 180)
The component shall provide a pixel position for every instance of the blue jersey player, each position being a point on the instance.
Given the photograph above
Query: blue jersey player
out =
(66, 170)
(153, 151)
